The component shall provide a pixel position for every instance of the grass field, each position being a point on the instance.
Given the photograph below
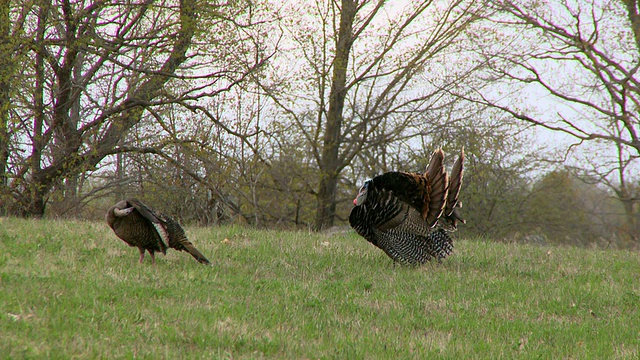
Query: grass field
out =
(73, 290)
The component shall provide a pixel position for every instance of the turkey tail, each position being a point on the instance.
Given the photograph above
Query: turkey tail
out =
(196, 254)
(457, 173)
(181, 243)
(438, 185)
(178, 240)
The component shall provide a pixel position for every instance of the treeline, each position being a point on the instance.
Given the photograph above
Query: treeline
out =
(273, 114)
(510, 194)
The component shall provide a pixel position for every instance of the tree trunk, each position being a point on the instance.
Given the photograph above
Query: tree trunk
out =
(33, 205)
(6, 68)
(329, 161)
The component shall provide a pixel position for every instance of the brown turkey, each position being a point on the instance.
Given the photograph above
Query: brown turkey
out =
(149, 230)
(409, 215)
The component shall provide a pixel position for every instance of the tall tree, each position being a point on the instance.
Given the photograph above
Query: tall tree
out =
(99, 68)
(359, 74)
(571, 68)
(329, 159)
(11, 51)
(586, 61)
(614, 172)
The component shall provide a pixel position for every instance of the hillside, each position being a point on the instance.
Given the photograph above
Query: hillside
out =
(73, 290)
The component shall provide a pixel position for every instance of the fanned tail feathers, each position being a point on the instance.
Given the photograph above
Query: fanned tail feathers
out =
(438, 186)
(451, 215)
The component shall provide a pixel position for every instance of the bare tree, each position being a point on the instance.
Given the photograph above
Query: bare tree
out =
(11, 52)
(98, 69)
(571, 68)
(583, 55)
(354, 69)
(615, 173)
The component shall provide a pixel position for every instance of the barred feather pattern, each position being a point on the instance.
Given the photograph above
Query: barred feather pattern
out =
(399, 230)
(402, 213)
(178, 240)
(413, 250)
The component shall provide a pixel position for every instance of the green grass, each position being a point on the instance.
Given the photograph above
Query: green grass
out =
(73, 290)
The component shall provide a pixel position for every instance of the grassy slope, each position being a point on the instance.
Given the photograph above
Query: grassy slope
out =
(72, 289)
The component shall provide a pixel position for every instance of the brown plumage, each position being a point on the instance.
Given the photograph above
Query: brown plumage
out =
(451, 215)
(409, 215)
(149, 230)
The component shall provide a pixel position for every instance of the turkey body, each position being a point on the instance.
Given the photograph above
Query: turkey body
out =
(149, 230)
(410, 215)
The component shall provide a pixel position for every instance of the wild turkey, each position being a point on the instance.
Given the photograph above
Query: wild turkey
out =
(140, 226)
(409, 215)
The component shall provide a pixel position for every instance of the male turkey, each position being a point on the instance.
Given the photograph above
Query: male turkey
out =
(409, 215)
(150, 230)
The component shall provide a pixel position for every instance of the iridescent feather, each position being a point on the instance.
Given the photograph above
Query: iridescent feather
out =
(408, 215)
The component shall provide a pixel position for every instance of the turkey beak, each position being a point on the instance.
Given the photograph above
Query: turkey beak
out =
(362, 194)
(360, 198)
